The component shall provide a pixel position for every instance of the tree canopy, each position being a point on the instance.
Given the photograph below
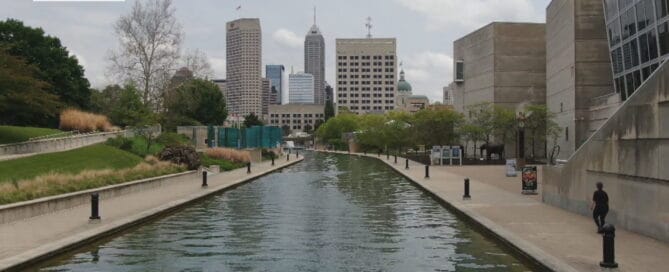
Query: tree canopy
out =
(252, 120)
(122, 105)
(195, 102)
(55, 65)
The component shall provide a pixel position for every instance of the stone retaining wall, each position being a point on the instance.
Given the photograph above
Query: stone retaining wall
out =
(57, 144)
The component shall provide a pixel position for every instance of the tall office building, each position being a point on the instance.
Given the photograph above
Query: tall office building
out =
(275, 74)
(366, 70)
(638, 35)
(244, 56)
(301, 88)
(266, 95)
(314, 61)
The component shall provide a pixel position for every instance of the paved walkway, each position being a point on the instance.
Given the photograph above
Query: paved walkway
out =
(561, 240)
(24, 240)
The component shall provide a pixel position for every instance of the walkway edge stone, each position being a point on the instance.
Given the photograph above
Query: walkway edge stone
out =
(34, 256)
(530, 251)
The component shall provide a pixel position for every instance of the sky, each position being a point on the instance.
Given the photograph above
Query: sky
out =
(425, 29)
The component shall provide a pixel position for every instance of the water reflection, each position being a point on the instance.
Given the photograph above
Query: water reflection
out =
(328, 213)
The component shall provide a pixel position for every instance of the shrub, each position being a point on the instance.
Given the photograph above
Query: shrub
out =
(72, 119)
(135, 145)
(120, 142)
(173, 139)
(182, 155)
(268, 154)
(225, 165)
(228, 154)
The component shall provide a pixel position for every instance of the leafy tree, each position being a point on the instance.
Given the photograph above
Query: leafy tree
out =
(372, 132)
(252, 120)
(62, 72)
(122, 105)
(331, 132)
(24, 100)
(540, 125)
(437, 126)
(195, 102)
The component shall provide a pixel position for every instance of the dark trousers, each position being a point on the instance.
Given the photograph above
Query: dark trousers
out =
(599, 214)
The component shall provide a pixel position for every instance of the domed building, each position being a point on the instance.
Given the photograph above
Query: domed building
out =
(406, 100)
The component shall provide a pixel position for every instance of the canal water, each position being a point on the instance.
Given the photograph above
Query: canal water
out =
(327, 213)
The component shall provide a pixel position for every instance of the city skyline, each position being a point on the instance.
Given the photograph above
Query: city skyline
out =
(424, 44)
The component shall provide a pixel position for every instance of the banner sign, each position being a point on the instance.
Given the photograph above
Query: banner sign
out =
(511, 168)
(529, 178)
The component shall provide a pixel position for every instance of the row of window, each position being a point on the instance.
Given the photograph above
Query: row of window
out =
(366, 101)
(364, 76)
(646, 48)
(296, 121)
(376, 89)
(297, 115)
(365, 95)
(366, 82)
(627, 84)
(367, 70)
(377, 57)
(376, 108)
(387, 63)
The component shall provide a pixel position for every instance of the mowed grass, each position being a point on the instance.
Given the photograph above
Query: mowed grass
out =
(95, 157)
(12, 134)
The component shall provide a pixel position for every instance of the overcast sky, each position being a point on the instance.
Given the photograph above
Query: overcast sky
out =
(425, 29)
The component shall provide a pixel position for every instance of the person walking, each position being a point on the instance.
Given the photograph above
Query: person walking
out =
(600, 206)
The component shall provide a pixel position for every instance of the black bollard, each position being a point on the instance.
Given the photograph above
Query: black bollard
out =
(95, 207)
(378, 154)
(204, 178)
(272, 160)
(365, 152)
(248, 168)
(287, 157)
(406, 164)
(427, 171)
(466, 195)
(297, 153)
(395, 158)
(609, 247)
(387, 155)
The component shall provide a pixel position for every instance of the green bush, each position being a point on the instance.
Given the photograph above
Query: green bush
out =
(225, 165)
(170, 139)
(136, 145)
(268, 154)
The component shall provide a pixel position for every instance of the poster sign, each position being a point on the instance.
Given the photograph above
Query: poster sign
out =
(529, 178)
(511, 168)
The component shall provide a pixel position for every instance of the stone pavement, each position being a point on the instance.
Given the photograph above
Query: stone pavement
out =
(560, 240)
(42, 236)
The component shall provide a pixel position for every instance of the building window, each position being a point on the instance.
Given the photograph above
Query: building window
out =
(663, 36)
(611, 7)
(614, 32)
(459, 71)
(628, 23)
(661, 7)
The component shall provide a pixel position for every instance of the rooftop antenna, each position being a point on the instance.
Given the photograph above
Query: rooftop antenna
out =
(314, 14)
(239, 10)
(369, 27)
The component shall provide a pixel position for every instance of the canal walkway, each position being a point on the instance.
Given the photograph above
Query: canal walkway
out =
(43, 236)
(560, 240)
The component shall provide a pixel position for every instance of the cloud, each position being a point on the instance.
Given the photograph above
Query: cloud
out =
(218, 66)
(287, 38)
(427, 72)
(472, 14)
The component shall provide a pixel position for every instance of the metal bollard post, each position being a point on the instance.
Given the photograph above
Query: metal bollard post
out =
(287, 157)
(95, 207)
(466, 195)
(427, 171)
(272, 160)
(395, 158)
(248, 168)
(387, 155)
(297, 153)
(609, 247)
(406, 164)
(378, 154)
(204, 178)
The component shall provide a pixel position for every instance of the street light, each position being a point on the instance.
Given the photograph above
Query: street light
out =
(522, 118)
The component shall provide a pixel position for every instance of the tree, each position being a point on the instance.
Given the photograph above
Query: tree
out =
(329, 110)
(149, 48)
(24, 100)
(55, 65)
(252, 120)
(331, 132)
(540, 124)
(196, 62)
(437, 126)
(195, 102)
(122, 105)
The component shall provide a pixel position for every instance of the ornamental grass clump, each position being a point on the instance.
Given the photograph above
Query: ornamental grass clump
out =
(60, 183)
(81, 121)
(230, 154)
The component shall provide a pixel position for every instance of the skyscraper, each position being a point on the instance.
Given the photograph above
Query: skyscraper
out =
(301, 88)
(366, 70)
(244, 55)
(266, 94)
(314, 60)
(275, 74)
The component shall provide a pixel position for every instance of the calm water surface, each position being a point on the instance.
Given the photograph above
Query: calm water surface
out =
(328, 213)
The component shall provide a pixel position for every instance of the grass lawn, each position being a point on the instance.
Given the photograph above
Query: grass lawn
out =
(224, 164)
(12, 134)
(93, 157)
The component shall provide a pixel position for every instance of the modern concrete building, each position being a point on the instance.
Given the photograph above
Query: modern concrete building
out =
(301, 88)
(296, 117)
(243, 67)
(448, 95)
(314, 60)
(579, 88)
(638, 34)
(501, 63)
(415, 103)
(266, 95)
(275, 74)
(366, 69)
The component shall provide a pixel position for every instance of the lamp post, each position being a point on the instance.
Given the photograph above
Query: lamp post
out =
(520, 146)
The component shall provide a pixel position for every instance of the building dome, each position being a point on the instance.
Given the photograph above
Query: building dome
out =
(403, 85)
